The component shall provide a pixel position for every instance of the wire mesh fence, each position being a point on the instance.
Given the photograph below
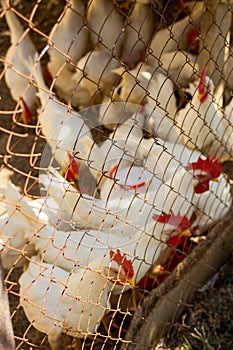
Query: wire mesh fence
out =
(116, 147)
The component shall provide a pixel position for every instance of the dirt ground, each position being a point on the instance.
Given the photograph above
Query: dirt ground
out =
(206, 324)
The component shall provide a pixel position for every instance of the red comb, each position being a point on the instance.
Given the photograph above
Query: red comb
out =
(26, 112)
(202, 82)
(176, 241)
(180, 221)
(73, 169)
(209, 165)
(122, 261)
(47, 75)
(193, 34)
(211, 168)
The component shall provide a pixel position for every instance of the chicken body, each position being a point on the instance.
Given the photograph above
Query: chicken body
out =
(94, 77)
(68, 38)
(138, 32)
(66, 131)
(59, 302)
(17, 74)
(127, 214)
(211, 205)
(200, 119)
(204, 126)
(106, 25)
(145, 86)
(175, 36)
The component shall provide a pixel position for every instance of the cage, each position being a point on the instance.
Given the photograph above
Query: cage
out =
(116, 171)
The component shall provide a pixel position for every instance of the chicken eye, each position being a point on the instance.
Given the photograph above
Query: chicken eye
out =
(119, 90)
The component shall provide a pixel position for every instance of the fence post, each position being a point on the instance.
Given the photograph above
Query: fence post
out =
(6, 331)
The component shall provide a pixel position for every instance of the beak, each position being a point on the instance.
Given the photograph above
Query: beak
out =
(186, 233)
(75, 176)
(158, 270)
(202, 97)
(199, 96)
(131, 282)
(26, 114)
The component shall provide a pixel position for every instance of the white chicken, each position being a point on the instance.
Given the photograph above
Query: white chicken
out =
(176, 36)
(127, 181)
(203, 124)
(94, 77)
(180, 66)
(112, 113)
(68, 38)
(58, 301)
(65, 130)
(128, 213)
(211, 199)
(119, 149)
(226, 136)
(106, 25)
(145, 86)
(27, 229)
(212, 205)
(16, 73)
(25, 222)
(138, 32)
(13, 243)
(133, 85)
(68, 250)
(13, 225)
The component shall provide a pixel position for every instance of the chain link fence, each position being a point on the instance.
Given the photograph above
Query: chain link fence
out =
(116, 147)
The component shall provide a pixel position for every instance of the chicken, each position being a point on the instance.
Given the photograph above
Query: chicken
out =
(201, 120)
(106, 25)
(94, 77)
(132, 86)
(66, 132)
(125, 214)
(119, 149)
(145, 86)
(13, 225)
(180, 66)
(68, 250)
(16, 73)
(22, 220)
(175, 37)
(128, 180)
(112, 113)
(212, 205)
(163, 158)
(13, 242)
(225, 134)
(211, 199)
(68, 38)
(138, 32)
(74, 303)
